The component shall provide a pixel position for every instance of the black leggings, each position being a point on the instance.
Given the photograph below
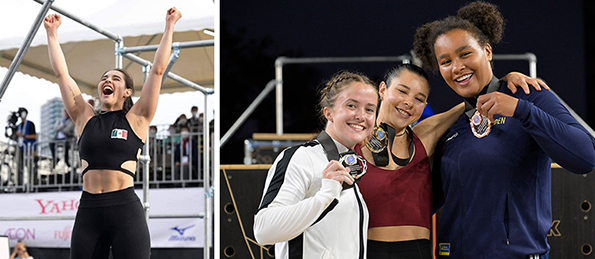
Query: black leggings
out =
(113, 219)
(412, 249)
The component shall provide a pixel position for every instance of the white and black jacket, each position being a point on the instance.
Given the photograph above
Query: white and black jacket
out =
(306, 216)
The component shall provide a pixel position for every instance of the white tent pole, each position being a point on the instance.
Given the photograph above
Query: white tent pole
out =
(207, 179)
(181, 45)
(172, 60)
(146, 159)
(171, 75)
(87, 24)
(118, 45)
(23, 49)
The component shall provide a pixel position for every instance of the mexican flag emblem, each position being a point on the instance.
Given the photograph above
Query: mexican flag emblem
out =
(120, 134)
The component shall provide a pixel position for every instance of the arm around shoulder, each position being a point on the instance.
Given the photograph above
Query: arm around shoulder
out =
(431, 129)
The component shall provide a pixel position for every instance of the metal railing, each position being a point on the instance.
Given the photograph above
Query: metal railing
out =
(281, 61)
(176, 162)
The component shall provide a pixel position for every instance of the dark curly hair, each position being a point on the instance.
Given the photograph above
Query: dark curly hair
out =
(334, 86)
(481, 19)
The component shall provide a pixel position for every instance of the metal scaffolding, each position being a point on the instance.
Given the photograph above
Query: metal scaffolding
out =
(278, 81)
(121, 51)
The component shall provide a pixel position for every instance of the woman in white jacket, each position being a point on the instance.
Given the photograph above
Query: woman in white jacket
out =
(311, 206)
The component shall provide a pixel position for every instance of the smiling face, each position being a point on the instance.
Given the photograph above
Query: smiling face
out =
(404, 100)
(351, 118)
(463, 62)
(112, 90)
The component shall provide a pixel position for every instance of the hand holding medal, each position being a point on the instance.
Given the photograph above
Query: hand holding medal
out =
(488, 105)
(356, 164)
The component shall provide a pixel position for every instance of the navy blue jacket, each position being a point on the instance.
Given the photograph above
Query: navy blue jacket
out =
(496, 190)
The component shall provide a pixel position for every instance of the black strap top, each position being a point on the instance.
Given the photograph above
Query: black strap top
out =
(108, 141)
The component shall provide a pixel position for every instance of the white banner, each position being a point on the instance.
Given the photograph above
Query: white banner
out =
(46, 219)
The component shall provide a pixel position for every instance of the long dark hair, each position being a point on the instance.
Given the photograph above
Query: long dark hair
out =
(129, 83)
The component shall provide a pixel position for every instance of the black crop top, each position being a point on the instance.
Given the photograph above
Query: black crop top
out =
(108, 141)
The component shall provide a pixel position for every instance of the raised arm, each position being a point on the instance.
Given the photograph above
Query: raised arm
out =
(78, 110)
(431, 129)
(143, 111)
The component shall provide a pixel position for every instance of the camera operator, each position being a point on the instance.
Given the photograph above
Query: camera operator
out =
(26, 137)
(11, 126)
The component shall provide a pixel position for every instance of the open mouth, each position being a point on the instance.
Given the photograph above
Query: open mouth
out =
(107, 90)
(464, 79)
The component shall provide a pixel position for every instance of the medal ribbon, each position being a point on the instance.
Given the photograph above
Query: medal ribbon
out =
(470, 103)
(332, 153)
(391, 135)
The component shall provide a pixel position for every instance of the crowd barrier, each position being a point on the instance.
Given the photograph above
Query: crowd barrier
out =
(175, 161)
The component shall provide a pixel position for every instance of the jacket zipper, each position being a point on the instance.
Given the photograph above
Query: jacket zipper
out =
(506, 221)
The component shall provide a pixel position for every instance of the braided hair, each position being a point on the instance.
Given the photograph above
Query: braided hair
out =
(334, 86)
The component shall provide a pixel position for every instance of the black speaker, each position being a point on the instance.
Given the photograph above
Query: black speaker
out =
(241, 190)
(573, 228)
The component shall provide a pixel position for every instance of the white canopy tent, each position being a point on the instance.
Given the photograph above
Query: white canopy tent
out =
(89, 53)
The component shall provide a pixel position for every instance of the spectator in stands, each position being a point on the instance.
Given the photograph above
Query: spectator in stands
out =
(64, 135)
(172, 135)
(180, 122)
(152, 131)
(25, 130)
(186, 154)
(195, 122)
(26, 137)
(20, 251)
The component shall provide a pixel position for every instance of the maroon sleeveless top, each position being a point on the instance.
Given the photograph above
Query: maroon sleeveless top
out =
(401, 197)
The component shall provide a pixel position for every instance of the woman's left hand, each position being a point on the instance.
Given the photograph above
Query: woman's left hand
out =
(516, 79)
(496, 103)
(173, 15)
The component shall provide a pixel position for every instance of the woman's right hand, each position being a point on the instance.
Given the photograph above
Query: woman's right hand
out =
(52, 22)
(335, 171)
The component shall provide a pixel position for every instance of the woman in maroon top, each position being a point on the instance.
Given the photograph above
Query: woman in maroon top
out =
(398, 186)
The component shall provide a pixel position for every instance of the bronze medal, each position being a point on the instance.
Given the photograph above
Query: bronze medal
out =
(480, 125)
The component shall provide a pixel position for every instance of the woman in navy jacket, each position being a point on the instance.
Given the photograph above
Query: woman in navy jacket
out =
(495, 160)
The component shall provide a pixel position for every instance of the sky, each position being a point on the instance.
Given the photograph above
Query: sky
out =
(31, 92)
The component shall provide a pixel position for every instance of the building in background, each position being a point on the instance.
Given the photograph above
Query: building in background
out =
(51, 112)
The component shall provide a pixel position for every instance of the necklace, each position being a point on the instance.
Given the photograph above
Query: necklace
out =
(398, 160)
(398, 135)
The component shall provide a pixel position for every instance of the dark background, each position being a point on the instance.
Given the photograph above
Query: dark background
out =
(254, 33)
